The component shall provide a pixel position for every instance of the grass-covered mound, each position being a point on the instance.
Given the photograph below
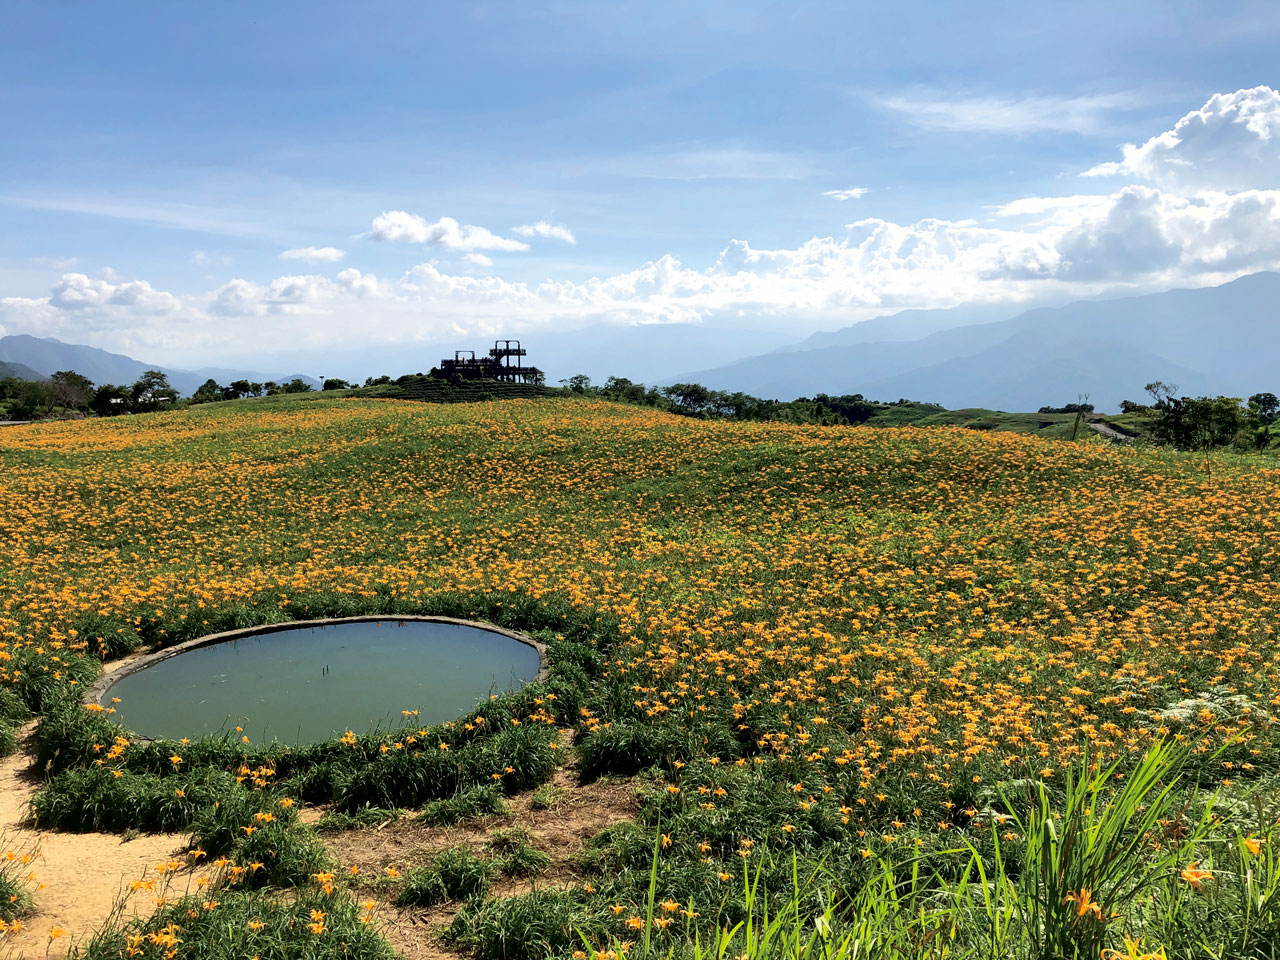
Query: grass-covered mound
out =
(848, 662)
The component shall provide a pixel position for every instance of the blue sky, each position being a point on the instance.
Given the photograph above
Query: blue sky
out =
(165, 156)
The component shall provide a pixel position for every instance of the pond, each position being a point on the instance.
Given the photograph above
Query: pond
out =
(306, 683)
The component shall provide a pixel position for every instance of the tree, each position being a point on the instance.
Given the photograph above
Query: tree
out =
(151, 390)
(1266, 406)
(623, 389)
(690, 398)
(110, 399)
(71, 390)
(333, 383)
(241, 388)
(208, 392)
(1198, 423)
(1161, 392)
(578, 383)
(30, 399)
(376, 381)
(1081, 407)
(296, 385)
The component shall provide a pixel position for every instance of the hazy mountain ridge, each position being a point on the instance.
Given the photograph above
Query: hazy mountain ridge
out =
(1218, 340)
(45, 355)
(1209, 340)
(18, 370)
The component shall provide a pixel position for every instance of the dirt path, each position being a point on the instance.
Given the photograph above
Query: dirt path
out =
(1108, 431)
(83, 874)
(581, 811)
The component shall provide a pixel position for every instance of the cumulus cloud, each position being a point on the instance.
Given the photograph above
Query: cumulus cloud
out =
(1231, 143)
(76, 291)
(1137, 236)
(314, 254)
(404, 227)
(545, 230)
(849, 193)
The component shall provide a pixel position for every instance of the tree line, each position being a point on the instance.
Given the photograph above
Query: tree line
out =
(71, 392)
(695, 400)
(1201, 423)
(1187, 423)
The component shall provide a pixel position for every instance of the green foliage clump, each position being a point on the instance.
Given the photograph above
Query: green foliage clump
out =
(481, 801)
(335, 821)
(628, 748)
(544, 923)
(243, 924)
(454, 874)
(91, 799)
(519, 858)
(15, 891)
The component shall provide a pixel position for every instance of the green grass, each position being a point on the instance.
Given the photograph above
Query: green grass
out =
(470, 804)
(336, 822)
(454, 874)
(1053, 425)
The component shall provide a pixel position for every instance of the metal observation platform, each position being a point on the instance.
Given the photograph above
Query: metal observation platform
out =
(498, 365)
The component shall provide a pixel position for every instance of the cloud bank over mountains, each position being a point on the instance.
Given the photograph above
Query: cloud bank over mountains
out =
(1196, 204)
(1231, 143)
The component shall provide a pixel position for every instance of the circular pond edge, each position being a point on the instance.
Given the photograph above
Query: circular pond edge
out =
(104, 683)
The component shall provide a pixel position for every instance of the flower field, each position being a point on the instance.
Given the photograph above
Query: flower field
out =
(829, 659)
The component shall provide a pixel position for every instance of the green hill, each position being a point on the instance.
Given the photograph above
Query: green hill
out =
(18, 371)
(437, 390)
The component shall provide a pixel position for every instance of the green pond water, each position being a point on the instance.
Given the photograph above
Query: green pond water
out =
(305, 684)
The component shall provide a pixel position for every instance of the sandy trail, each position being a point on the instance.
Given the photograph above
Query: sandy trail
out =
(83, 874)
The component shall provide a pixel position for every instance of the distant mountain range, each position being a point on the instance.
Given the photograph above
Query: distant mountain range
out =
(643, 353)
(1214, 340)
(39, 357)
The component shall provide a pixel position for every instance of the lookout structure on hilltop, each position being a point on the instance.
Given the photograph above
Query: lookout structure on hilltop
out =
(465, 365)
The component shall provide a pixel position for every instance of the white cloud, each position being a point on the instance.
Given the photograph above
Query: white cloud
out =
(75, 291)
(314, 254)
(57, 263)
(398, 225)
(935, 110)
(1231, 143)
(849, 193)
(1136, 237)
(357, 284)
(698, 161)
(545, 230)
(202, 258)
